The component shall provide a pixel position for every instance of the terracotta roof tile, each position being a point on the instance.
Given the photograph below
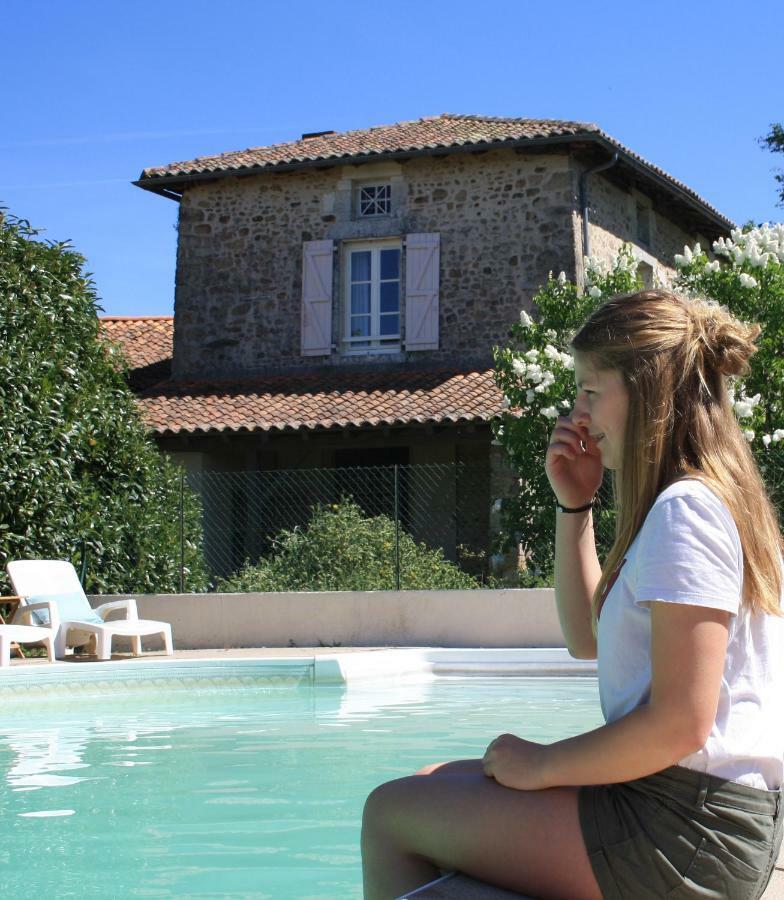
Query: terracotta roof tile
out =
(340, 399)
(146, 344)
(432, 133)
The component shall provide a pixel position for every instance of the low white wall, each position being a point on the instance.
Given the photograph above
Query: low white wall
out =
(483, 618)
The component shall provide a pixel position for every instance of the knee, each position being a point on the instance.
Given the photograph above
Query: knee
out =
(382, 806)
(429, 769)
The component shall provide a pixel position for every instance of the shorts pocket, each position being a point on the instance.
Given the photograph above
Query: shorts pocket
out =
(715, 874)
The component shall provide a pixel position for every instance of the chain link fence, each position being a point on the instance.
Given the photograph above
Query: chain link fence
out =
(446, 508)
(440, 506)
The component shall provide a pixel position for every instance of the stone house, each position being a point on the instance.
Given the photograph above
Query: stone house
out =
(338, 297)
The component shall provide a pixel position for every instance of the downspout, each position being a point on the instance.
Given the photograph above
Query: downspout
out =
(584, 198)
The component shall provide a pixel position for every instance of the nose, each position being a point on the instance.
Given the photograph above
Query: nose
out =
(579, 414)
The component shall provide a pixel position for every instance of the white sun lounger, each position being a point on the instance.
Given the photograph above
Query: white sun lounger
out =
(28, 634)
(36, 580)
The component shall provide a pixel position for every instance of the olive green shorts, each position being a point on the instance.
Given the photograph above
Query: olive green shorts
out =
(680, 834)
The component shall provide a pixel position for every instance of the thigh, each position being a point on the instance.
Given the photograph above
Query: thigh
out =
(525, 841)
(455, 767)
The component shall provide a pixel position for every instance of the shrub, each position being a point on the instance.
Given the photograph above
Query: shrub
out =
(747, 276)
(341, 549)
(534, 370)
(75, 462)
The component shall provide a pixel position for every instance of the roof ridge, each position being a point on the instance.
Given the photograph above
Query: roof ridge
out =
(341, 135)
(135, 318)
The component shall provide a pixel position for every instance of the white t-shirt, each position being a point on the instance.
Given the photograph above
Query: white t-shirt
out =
(688, 551)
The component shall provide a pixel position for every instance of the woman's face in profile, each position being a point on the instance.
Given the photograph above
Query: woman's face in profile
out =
(601, 407)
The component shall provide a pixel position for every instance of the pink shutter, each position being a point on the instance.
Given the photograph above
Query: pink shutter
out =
(316, 298)
(422, 260)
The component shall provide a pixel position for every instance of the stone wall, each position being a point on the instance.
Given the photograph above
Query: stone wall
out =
(505, 220)
(613, 221)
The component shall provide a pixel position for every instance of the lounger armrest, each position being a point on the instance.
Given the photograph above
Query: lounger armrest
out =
(22, 616)
(129, 605)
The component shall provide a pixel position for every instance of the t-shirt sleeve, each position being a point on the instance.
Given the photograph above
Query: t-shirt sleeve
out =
(689, 552)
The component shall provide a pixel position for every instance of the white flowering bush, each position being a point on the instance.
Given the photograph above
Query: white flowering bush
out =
(747, 276)
(534, 370)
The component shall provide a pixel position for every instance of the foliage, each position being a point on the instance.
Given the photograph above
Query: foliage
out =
(341, 549)
(534, 370)
(75, 464)
(747, 276)
(774, 141)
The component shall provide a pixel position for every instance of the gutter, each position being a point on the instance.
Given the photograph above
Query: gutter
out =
(584, 198)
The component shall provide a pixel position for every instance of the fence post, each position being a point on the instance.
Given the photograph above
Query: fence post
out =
(182, 532)
(397, 531)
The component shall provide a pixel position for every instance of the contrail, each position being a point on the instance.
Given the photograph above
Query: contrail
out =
(120, 136)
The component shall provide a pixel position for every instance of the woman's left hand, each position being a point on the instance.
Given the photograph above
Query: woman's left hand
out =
(515, 763)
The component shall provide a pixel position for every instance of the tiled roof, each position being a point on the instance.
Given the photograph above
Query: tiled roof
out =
(146, 344)
(351, 397)
(430, 134)
(341, 399)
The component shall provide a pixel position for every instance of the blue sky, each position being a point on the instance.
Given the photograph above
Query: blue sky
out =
(96, 91)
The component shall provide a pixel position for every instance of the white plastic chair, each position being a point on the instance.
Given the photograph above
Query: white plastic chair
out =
(36, 580)
(28, 634)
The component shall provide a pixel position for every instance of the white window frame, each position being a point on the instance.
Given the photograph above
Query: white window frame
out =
(358, 187)
(347, 341)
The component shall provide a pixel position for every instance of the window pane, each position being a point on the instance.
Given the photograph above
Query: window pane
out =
(360, 265)
(390, 324)
(360, 326)
(390, 264)
(390, 296)
(360, 298)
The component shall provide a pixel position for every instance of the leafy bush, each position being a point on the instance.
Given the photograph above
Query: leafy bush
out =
(341, 549)
(75, 462)
(534, 370)
(747, 276)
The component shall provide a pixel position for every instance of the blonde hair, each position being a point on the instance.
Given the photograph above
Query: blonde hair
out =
(676, 356)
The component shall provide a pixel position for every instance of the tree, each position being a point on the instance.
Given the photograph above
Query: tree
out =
(774, 141)
(75, 462)
(745, 274)
(534, 370)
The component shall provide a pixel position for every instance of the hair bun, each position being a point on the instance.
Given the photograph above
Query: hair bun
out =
(728, 342)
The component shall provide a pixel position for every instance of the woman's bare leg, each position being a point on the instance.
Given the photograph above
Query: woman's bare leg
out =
(455, 767)
(525, 841)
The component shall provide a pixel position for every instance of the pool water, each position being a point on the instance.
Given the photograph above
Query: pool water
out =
(251, 792)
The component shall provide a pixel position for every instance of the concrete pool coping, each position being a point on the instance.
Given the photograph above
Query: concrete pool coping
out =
(319, 665)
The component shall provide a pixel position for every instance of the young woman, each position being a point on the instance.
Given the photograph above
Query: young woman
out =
(678, 794)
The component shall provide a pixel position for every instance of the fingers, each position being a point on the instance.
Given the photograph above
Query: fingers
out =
(568, 439)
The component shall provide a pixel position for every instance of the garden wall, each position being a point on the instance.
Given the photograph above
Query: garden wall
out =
(473, 618)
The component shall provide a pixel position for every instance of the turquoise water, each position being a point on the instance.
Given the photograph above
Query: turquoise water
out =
(251, 792)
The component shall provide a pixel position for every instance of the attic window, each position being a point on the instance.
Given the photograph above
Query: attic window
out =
(643, 224)
(374, 200)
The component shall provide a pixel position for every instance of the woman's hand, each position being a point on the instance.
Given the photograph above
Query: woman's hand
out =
(573, 464)
(516, 763)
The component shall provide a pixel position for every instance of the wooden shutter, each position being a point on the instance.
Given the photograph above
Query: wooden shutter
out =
(316, 298)
(422, 260)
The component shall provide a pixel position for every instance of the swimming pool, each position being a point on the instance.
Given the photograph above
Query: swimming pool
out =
(242, 791)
